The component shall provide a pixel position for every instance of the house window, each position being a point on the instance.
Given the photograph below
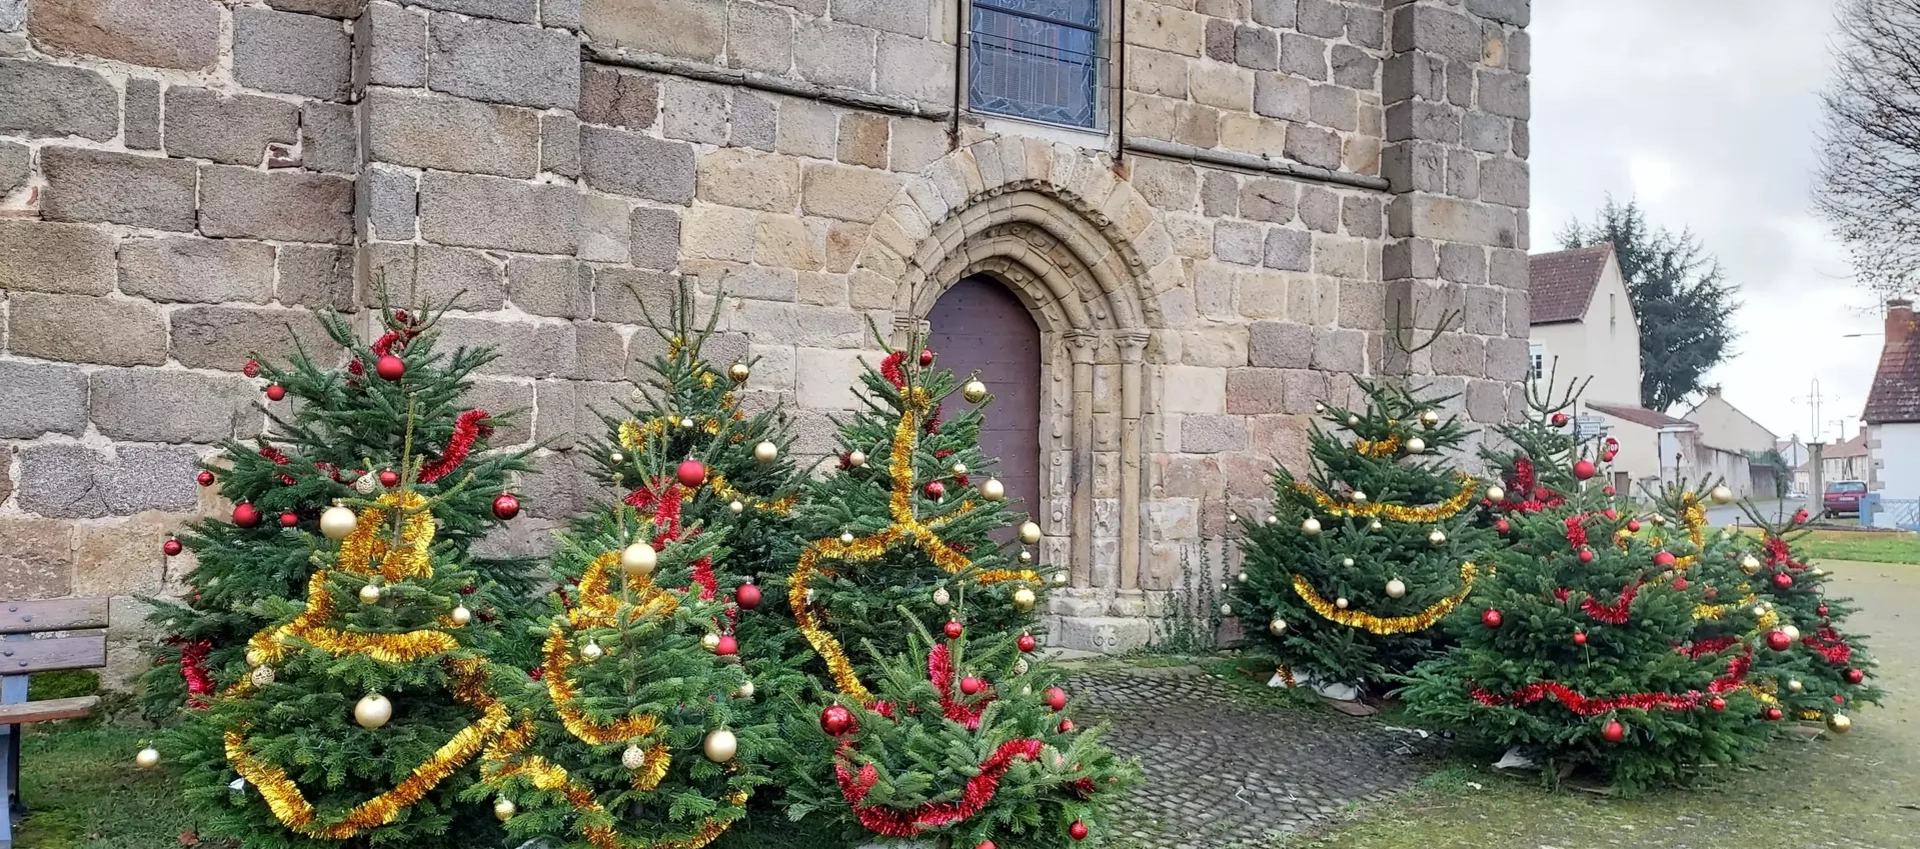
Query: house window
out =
(1613, 309)
(1537, 360)
(1036, 59)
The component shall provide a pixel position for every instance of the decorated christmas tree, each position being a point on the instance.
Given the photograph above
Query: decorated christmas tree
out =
(366, 703)
(963, 750)
(634, 733)
(900, 535)
(1359, 561)
(1567, 651)
(342, 435)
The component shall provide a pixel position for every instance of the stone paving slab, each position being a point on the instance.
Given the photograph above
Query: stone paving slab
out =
(1223, 773)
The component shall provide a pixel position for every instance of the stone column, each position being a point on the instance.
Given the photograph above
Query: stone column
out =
(1133, 344)
(1456, 93)
(1082, 345)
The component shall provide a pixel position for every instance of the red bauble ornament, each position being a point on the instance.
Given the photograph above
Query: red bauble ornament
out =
(1778, 641)
(727, 647)
(1663, 559)
(1800, 518)
(1611, 514)
(936, 490)
(1633, 525)
(251, 369)
(1028, 643)
(1774, 714)
(1614, 732)
(691, 473)
(1583, 469)
(1579, 638)
(953, 629)
(1608, 489)
(986, 844)
(205, 478)
(971, 685)
(276, 392)
(837, 720)
(1717, 703)
(505, 506)
(171, 547)
(1501, 526)
(1491, 618)
(390, 367)
(1822, 610)
(245, 516)
(748, 596)
(1855, 676)
(1066, 726)
(1056, 698)
(1782, 580)
(1586, 554)
(1078, 830)
(1680, 584)
(926, 357)
(289, 519)
(1839, 699)
(1559, 419)
(389, 478)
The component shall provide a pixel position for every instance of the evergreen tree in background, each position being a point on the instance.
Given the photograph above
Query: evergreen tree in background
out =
(903, 528)
(635, 733)
(961, 749)
(1568, 650)
(1359, 562)
(343, 438)
(366, 703)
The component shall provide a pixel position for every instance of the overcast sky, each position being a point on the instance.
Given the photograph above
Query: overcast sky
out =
(1707, 112)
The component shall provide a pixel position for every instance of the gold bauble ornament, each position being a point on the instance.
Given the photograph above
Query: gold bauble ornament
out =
(1791, 632)
(1340, 602)
(1020, 666)
(1242, 577)
(1396, 588)
(1352, 420)
(372, 711)
(737, 508)
(1023, 599)
(461, 615)
(766, 452)
(639, 559)
(369, 594)
(255, 657)
(1273, 520)
(1346, 562)
(710, 642)
(1496, 495)
(739, 372)
(1319, 407)
(1277, 627)
(1029, 533)
(1226, 610)
(1430, 418)
(634, 757)
(959, 469)
(1359, 497)
(1310, 527)
(974, 391)
(856, 459)
(592, 650)
(337, 522)
(1374, 525)
(1416, 445)
(261, 676)
(1721, 494)
(147, 758)
(1839, 723)
(941, 597)
(721, 746)
(1749, 564)
(1438, 537)
(504, 809)
(1659, 521)
(1794, 685)
(846, 538)
(616, 457)
(1059, 578)
(745, 690)
(993, 490)
(1026, 557)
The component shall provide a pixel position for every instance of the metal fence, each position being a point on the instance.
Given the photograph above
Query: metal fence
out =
(1902, 513)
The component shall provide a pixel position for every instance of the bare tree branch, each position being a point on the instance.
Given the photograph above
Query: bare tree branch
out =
(1870, 174)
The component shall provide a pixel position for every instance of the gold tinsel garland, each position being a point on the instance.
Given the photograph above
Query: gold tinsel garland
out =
(598, 607)
(397, 563)
(507, 758)
(906, 527)
(726, 492)
(1387, 625)
(1394, 512)
(1378, 449)
(293, 810)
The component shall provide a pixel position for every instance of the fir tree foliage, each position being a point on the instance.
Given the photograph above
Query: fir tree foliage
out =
(1382, 512)
(340, 428)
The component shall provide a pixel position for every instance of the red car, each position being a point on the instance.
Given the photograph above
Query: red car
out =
(1843, 497)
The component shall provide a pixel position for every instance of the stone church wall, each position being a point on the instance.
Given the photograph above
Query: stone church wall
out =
(183, 181)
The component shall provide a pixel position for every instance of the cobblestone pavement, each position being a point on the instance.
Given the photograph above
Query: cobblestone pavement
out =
(1222, 772)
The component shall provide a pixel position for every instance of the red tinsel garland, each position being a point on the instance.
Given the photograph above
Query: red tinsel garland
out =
(1586, 706)
(1577, 530)
(1778, 554)
(278, 459)
(1829, 645)
(1736, 676)
(1616, 613)
(890, 369)
(1702, 648)
(469, 426)
(384, 345)
(940, 672)
(664, 498)
(978, 792)
(193, 667)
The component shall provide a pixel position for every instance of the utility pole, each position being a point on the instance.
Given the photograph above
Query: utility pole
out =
(1813, 399)
(1845, 433)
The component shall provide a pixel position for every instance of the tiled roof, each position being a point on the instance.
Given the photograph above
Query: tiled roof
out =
(1641, 415)
(1855, 447)
(1562, 283)
(1895, 396)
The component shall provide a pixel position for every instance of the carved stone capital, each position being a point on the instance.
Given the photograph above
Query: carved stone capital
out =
(1082, 345)
(1133, 345)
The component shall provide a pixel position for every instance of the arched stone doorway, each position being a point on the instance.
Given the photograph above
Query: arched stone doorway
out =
(980, 326)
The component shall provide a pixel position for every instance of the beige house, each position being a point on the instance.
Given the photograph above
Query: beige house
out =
(1734, 438)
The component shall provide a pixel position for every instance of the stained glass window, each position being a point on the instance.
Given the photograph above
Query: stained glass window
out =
(1036, 59)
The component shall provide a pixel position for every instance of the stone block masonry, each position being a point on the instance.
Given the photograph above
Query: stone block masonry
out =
(183, 182)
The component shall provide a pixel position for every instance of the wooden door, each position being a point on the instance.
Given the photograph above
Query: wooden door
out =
(980, 325)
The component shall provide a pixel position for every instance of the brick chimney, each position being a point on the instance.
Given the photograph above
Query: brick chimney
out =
(1899, 321)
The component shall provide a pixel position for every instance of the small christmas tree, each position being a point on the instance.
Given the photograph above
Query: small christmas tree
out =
(364, 706)
(635, 734)
(1568, 650)
(906, 524)
(974, 750)
(344, 437)
(1358, 563)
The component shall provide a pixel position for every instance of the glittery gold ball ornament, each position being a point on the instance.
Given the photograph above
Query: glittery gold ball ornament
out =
(710, 642)
(639, 559)
(369, 594)
(1416, 445)
(1396, 588)
(1029, 533)
(1721, 494)
(1023, 599)
(365, 484)
(1226, 610)
(337, 522)
(504, 809)
(974, 391)
(766, 452)
(721, 746)
(993, 490)
(1310, 527)
(461, 615)
(1340, 602)
(737, 507)
(1496, 495)
(147, 758)
(592, 651)
(739, 372)
(1839, 723)
(856, 459)
(745, 690)
(372, 711)
(261, 676)
(634, 757)
(1438, 537)
(959, 469)
(1430, 418)
(1277, 627)
(846, 538)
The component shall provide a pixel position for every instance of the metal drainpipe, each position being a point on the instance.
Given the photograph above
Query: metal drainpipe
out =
(960, 31)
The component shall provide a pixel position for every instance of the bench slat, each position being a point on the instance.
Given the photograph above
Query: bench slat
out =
(18, 657)
(48, 710)
(54, 614)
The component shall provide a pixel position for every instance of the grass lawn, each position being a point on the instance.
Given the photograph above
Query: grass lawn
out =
(1881, 547)
(85, 793)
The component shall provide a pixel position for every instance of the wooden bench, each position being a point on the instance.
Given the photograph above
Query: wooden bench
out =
(24, 650)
